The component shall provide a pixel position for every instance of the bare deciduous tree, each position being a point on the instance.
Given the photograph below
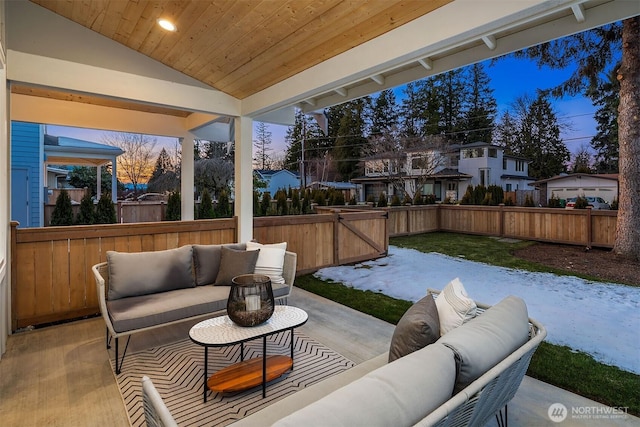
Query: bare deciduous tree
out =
(137, 161)
(408, 163)
(213, 174)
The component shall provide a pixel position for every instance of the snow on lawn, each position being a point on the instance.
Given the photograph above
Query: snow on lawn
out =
(602, 319)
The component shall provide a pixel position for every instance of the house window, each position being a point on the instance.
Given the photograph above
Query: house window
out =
(451, 186)
(508, 187)
(420, 163)
(504, 164)
(519, 166)
(472, 153)
(492, 152)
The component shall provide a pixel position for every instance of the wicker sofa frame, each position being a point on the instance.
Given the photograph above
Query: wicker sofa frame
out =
(101, 275)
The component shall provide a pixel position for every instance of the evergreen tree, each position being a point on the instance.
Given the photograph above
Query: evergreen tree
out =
(174, 207)
(384, 114)
(265, 203)
(86, 177)
(506, 134)
(305, 130)
(540, 141)
(382, 200)
(350, 141)
(105, 211)
(164, 177)
(411, 111)
(454, 93)
(86, 215)
(482, 107)
(606, 96)
(205, 210)
(62, 212)
(262, 145)
(592, 52)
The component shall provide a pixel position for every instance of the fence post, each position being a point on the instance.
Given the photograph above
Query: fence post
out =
(501, 216)
(336, 237)
(589, 228)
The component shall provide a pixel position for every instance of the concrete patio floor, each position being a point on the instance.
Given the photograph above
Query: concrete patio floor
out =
(60, 375)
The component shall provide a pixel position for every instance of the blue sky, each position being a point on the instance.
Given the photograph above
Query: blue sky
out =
(510, 78)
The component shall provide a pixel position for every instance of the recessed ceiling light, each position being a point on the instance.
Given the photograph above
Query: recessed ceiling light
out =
(166, 24)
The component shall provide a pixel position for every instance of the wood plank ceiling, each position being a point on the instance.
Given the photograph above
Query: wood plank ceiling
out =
(241, 47)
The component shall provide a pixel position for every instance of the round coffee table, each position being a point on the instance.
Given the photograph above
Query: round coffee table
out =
(222, 331)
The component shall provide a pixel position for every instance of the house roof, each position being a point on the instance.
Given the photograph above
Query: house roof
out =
(332, 184)
(608, 176)
(70, 151)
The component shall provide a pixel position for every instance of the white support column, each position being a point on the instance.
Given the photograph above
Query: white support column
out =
(243, 207)
(186, 178)
(114, 181)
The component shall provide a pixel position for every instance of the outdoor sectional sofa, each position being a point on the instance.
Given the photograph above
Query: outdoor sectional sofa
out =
(140, 291)
(465, 378)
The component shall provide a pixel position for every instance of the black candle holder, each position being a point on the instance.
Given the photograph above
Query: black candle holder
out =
(250, 301)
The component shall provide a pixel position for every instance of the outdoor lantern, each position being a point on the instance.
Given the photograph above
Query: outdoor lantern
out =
(250, 301)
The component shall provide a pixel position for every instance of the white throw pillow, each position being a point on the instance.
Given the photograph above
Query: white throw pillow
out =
(270, 261)
(454, 306)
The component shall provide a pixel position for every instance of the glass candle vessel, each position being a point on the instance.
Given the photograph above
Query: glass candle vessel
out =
(250, 301)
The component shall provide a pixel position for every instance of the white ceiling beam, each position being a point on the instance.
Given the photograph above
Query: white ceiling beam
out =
(311, 101)
(490, 41)
(341, 91)
(578, 12)
(378, 79)
(73, 76)
(427, 63)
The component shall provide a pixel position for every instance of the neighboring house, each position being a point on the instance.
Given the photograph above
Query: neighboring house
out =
(33, 175)
(444, 173)
(275, 180)
(489, 165)
(580, 184)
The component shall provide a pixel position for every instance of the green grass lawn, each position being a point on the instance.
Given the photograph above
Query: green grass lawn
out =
(558, 365)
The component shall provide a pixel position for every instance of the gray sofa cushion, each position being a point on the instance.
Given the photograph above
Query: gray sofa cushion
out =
(142, 273)
(418, 327)
(132, 313)
(233, 263)
(488, 338)
(143, 311)
(206, 260)
(399, 393)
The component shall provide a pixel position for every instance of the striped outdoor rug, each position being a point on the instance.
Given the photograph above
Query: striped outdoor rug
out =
(177, 372)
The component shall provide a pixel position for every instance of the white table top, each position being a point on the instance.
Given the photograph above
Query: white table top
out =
(220, 331)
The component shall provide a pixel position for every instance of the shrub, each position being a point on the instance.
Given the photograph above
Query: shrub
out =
(174, 207)
(353, 201)
(554, 201)
(223, 208)
(430, 199)
(63, 212)
(295, 202)
(371, 199)
(509, 202)
(395, 200)
(382, 200)
(407, 200)
(205, 210)
(305, 207)
(581, 203)
(87, 213)
(264, 204)
(467, 199)
(256, 204)
(281, 203)
(105, 211)
(528, 201)
(497, 194)
(479, 193)
(417, 198)
(614, 204)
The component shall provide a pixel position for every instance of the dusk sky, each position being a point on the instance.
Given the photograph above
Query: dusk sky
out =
(510, 78)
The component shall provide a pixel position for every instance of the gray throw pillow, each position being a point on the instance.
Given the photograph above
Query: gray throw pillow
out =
(206, 260)
(418, 327)
(233, 263)
(143, 273)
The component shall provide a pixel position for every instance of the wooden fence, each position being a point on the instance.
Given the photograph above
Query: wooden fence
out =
(51, 278)
(584, 227)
